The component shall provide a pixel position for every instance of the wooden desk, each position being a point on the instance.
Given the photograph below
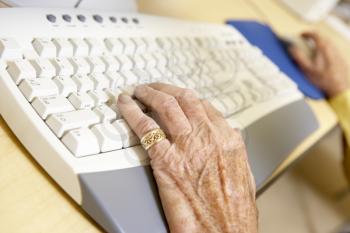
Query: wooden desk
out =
(31, 202)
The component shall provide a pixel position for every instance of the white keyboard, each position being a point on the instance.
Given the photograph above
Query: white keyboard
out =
(61, 71)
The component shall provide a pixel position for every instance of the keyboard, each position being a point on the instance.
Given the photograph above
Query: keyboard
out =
(60, 70)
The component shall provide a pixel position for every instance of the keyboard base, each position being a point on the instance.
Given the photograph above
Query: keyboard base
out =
(123, 201)
(272, 138)
(127, 201)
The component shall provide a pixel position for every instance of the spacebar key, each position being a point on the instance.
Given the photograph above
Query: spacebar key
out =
(62, 122)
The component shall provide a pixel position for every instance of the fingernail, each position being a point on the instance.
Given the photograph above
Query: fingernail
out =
(124, 99)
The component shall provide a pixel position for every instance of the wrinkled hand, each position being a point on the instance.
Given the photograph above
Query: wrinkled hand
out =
(201, 170)
(327, 69)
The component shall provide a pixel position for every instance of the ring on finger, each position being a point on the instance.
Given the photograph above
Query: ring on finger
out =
(152, 137)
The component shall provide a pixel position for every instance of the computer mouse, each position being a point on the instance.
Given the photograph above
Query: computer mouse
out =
(305, 44)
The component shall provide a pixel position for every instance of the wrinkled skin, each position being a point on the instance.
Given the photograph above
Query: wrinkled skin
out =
(201, 169)
(327, 69)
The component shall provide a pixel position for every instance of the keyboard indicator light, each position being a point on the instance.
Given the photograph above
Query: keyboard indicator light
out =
(98, 18)
(67, 18)
(81, 18)
(113, 19)
(51, 18)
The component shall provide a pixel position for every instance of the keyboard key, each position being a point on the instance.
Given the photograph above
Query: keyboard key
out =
(51, 104)
(125, 61)
(81, 100)
(139, 61)
(80, 65)
(105, 113)
(129, 45)
(100, 81)
(219, 105)
(142, 75)
(83, 82)
(63, 46)
(165, 43)
(108, 137)
(99, 96)
(161, 59)
(60, 123)
(9, 49)
(95, 46)
(140, 45)
(81, 142)
(151, 44)
(178, 82)
(115, 109)
(112, 64)
(230, 105)
(151, 62)
(96, 65)
(129, 138)
(114, 45)
(21, 69)
(115, 79)
(113, 94)
(129, 77)
(80, 47)
(44, 47)
(189, 82)
(238, 98)
(38, 88)
(65, 85)
(43, 67)
(155, 74)
(129, 90)
(63, 66)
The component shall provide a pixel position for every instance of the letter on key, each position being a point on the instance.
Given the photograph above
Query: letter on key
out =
(62, 122)
(51, 104)
(38, 88)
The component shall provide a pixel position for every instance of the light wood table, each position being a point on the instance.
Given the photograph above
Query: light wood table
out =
(31, 202)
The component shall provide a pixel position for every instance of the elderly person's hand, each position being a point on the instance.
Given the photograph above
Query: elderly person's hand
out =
(201, 169)
(327, 69)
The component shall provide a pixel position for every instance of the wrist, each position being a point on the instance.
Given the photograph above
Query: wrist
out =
(332, 93)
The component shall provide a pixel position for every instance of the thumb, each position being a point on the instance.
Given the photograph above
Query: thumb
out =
(301, 59)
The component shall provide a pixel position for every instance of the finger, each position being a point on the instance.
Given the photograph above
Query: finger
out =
(320, 60)
(316, 37)
(214, 115)
(301, 59)
(139, 122)
(187, 99)
(322, 44)
(166, 107)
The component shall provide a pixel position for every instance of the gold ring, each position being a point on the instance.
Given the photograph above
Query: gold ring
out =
(152, 137)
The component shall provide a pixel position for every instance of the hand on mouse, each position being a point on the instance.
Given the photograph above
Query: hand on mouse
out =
(201, 169)
(327, 69)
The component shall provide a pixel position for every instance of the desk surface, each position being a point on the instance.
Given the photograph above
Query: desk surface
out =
(30, 201)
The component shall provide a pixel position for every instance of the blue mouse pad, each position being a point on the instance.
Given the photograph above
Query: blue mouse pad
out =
(263, 37)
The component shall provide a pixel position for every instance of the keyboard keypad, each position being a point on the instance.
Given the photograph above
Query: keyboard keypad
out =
(74, 83)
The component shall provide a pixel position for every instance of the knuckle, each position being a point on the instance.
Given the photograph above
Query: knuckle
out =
(168, 102)
(145, 124)
(186, 94)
